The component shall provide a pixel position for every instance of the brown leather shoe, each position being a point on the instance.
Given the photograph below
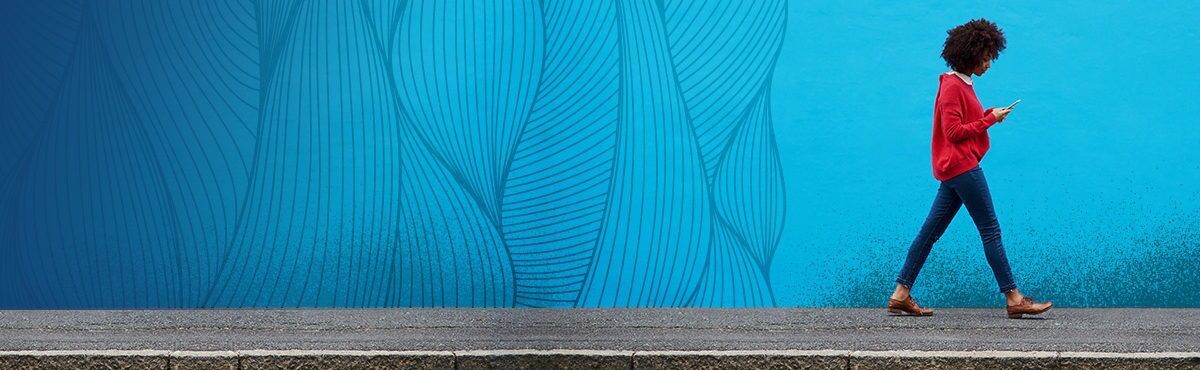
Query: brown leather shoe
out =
(907, 306)
(1028, 307)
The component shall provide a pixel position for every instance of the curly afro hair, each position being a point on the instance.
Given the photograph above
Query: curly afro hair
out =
(968, 44)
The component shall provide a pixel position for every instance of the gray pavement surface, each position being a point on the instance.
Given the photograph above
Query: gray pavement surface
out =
(656, 329)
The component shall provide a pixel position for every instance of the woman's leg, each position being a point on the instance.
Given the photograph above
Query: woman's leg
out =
(945, 206)
(972, 188)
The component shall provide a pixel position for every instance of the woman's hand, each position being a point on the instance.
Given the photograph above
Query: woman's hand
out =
(1000, 113)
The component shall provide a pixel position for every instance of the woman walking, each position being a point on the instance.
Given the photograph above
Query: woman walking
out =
(960, 140)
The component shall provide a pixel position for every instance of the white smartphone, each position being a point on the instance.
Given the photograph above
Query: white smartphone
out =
(1010, 106)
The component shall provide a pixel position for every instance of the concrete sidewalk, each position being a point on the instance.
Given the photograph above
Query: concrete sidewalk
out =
(599, 338)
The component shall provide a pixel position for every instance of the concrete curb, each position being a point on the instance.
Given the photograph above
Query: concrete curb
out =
(215, 360)
(543, 359)
(784, 359)
(295, 359)
(1157, 360)
(99, 359)
(952, 360)
(591, 359)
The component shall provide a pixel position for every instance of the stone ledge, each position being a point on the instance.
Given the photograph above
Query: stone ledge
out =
(753, 359)
(1131, 361)
(591, 359)
(84, 359)
(543, 359)
(215, 360)
(329, 359)
(952, 360)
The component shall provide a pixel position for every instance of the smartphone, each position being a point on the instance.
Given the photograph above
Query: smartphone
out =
(1010, 106)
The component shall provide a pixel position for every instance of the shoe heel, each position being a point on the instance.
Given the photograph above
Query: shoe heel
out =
(1014, 315)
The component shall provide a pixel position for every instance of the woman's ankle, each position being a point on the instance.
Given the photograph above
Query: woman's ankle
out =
(1013, 297)
(901, 293)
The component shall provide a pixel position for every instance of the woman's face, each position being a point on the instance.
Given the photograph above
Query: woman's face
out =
(984, 65)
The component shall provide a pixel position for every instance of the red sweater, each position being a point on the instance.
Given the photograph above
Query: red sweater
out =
(959, 128)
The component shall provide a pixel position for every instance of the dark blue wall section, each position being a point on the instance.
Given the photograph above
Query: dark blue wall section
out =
(388, 153)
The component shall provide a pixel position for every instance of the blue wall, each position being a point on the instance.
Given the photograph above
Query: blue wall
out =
(578, 154)
(1094, 176)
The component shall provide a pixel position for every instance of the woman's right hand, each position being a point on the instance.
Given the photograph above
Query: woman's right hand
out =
(1000, 113)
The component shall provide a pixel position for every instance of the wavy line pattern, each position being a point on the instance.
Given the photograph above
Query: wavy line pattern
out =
(719, 76)
(34, 62)
(92, 198)
(379, 153)
(449, 254)
(749, 184)
(557, 186)
(199, 100)
(658, 229)
(467, 75)
(747, 192)
(323, 202)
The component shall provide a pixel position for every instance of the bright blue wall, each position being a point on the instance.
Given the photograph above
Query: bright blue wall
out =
(1094, 176)
(565, 153)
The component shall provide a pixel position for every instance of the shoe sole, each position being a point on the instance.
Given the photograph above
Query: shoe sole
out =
(1018, 315)
(898, 312)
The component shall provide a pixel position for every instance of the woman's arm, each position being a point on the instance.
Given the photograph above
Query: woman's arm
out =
(956, 129)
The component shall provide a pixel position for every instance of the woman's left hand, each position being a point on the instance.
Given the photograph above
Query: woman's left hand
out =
(1000, 113)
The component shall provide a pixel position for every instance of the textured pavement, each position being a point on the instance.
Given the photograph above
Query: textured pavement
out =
(849, 329)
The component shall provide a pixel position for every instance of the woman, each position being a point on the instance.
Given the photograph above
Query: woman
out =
(960, 140)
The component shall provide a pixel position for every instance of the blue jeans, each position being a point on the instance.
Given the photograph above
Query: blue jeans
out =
(971, 189)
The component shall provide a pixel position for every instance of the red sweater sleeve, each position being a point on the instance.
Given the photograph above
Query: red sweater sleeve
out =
(956, 127)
